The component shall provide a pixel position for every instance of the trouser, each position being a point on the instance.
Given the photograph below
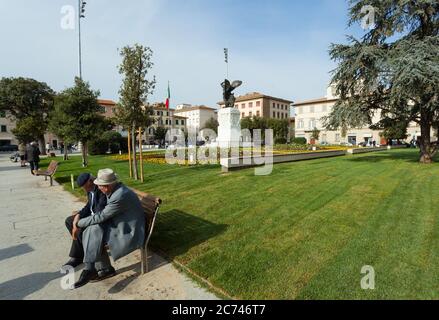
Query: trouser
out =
(93, 240)
(76, 249)
(34, 165)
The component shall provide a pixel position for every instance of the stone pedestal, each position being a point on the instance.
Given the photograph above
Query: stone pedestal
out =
(229, 130)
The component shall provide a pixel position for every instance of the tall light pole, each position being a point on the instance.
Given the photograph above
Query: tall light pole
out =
(81, 14)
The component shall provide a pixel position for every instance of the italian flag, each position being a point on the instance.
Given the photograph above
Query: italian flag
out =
(168, 99)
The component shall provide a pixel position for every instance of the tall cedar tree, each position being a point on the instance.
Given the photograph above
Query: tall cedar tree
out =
(393, 70)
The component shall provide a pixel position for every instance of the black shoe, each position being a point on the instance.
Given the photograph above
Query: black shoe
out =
(73, 262)
(105, 274)
(86, 277)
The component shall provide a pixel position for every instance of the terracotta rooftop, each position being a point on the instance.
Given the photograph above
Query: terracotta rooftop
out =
(257, 95)
(106, 102)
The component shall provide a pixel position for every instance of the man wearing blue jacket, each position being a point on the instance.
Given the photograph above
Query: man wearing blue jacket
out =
(96, 203)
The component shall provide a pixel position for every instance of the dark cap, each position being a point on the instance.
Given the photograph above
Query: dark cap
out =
(82, 179)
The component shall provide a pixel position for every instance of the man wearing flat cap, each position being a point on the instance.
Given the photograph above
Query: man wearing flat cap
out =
(120, 226)
(96, 203)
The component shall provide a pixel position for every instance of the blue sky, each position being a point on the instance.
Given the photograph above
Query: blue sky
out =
(277, 47)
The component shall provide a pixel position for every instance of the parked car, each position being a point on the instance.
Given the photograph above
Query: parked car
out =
(8, 148)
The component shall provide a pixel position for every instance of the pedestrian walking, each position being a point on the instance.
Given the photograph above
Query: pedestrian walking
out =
(22, 153)
(33, 157)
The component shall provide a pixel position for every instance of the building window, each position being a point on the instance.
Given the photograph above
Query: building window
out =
(2, 114)
(236, 106)
(182, 122)
(278, 115)
(176, 122)
(243, 106)
(258, 103)
(258, 113)
(3, 129)
(250, 105)
(250, 114)
(274, 114)
(274, 105)
(243, 114)
(278, 106)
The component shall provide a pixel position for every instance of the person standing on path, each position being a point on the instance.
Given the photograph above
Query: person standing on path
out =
(33, 157)
(22, 153)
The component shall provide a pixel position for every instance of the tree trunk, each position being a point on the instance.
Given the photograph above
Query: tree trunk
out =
(42, 145)
(141, 155)
(133, 143)
(428, 150)
(84, 154)
(129, 154)
(66, 152)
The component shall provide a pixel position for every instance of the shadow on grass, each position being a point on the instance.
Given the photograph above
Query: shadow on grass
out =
(176, 232)
(412, 157)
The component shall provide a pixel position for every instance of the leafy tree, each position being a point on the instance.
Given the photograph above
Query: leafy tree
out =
(212, 124)
(29, 102)
(315, 134)
(393, 129)
(160, 134)
(132, 111)
(26, 128)
(393, 69)
(279, 127)
(76, 116)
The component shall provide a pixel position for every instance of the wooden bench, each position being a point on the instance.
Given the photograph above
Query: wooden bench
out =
(50, 172)
(151, 206)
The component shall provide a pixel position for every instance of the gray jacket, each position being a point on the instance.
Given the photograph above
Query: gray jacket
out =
(124, 220)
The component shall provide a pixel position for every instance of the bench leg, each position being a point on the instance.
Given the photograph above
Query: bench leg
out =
(144, 260)
(51, 181)
(45, 178)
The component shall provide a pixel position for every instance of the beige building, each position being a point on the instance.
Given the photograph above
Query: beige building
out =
(260, 105)
(196, 116)
(6, 126)
(309, 114)
(165, 118)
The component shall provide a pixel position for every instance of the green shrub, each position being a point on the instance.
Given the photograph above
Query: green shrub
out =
(110, 141)
(280, 141)
(299, 141)
(97, 147)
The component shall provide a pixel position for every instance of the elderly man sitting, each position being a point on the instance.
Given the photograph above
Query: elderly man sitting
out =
(120, 225)
(96, 203)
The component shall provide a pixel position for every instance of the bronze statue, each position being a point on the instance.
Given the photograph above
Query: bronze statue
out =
(228, 96)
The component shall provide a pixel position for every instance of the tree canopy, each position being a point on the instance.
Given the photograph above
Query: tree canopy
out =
(393, 69)
(29, 102)
(76, 116)
(132, 111)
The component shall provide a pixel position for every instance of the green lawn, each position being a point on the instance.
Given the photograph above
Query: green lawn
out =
(303, 232)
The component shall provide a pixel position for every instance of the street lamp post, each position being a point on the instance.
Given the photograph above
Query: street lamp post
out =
(81, 14)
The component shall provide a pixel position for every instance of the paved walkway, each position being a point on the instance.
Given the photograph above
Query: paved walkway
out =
(34, 244)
